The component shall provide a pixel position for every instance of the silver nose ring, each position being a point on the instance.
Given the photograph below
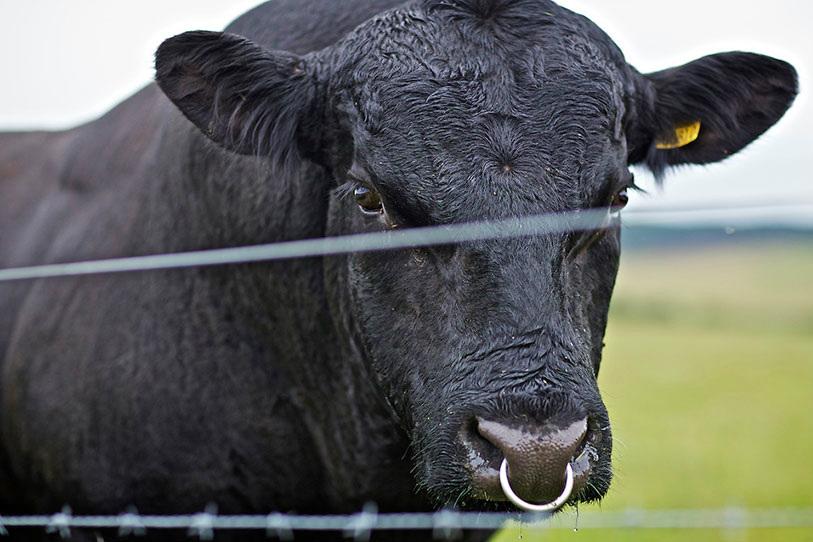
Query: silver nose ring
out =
(530, 507)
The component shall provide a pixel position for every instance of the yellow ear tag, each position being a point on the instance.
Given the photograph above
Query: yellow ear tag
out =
(684, 135)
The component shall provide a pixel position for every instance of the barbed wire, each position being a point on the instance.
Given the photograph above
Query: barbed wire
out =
(444, 524)
(583, 220)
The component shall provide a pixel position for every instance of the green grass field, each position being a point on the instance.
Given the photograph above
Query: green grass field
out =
(708, 377)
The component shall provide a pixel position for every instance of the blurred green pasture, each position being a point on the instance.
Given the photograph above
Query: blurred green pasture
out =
(708, 377)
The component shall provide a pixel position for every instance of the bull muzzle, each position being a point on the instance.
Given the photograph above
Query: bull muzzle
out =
(535, 466)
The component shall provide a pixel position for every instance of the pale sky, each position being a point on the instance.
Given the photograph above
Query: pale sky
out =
(64, 62)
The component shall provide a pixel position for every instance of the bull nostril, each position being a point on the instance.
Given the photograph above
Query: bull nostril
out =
(479, 446)
(537, 456)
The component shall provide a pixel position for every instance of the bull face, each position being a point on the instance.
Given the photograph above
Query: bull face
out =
(463, 110)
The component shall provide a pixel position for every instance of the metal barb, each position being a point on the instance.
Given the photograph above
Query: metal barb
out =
(202, 525)
(363, 523)
(130, 523)
(61, 523)
(446, 525)
(279, 525)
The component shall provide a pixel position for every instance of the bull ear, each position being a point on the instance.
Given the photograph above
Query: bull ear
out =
(709, 109)
(245, 98)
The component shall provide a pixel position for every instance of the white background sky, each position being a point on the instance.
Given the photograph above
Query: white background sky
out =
(64, 62)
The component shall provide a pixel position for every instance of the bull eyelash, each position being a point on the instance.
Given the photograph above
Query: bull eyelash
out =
(346, 189)
(634, 187)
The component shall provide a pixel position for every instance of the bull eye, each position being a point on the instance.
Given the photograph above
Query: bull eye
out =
(620, 201)
(368, 200)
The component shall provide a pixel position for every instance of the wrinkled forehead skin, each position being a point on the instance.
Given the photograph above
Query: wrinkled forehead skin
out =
(452, 106)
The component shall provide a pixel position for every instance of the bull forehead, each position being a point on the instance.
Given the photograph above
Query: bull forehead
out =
(449, 41)
(493, 171)
(501, 115)
(457, 109)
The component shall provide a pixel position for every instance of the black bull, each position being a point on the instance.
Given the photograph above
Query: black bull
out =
(316, 385)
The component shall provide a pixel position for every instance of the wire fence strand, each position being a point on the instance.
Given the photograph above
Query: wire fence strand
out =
(410, 238)
(444, 524)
